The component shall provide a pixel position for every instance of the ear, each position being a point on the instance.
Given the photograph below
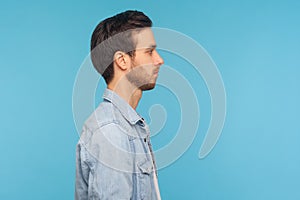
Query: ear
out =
(121, 60)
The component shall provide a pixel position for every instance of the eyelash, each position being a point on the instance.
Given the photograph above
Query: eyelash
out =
(150, 52)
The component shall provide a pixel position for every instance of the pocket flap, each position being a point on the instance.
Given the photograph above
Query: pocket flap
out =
(146, 166)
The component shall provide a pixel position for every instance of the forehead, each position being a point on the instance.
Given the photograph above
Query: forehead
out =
(145, 38)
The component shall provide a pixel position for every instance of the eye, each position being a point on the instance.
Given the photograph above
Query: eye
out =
(149, 51)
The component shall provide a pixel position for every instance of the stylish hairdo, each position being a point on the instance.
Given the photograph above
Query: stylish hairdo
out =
(104, 46)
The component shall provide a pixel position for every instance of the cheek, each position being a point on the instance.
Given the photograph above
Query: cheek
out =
(144, 71)
(145, 59)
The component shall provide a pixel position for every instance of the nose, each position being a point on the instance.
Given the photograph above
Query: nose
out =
(158, 59)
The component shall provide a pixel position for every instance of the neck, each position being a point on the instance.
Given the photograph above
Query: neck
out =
(130, 94)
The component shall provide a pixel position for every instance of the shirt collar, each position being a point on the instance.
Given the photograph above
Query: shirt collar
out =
(126, 110)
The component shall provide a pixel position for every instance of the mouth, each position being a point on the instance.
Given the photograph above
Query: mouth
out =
(156, 72)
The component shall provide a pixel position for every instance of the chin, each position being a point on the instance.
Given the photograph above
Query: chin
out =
(148, 86)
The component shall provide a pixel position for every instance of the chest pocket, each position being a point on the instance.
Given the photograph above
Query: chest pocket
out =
(145, 167)
(145, 179)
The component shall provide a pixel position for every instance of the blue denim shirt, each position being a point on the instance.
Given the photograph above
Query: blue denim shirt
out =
(114, 158)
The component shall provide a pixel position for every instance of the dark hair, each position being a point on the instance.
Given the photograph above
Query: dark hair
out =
(121, 26)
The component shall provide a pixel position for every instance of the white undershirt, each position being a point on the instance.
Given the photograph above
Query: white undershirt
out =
(156, 186)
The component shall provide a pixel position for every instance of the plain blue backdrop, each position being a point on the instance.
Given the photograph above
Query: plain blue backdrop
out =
(256, 46)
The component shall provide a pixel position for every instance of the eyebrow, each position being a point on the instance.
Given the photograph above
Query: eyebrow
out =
(153, 46)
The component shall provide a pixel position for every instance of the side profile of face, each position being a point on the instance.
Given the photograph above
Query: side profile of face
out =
(146, 62)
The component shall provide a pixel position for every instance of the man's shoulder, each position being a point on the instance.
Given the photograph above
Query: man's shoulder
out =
(103, 115)
(105, 120)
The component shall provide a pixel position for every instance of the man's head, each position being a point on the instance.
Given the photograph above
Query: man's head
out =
(124, 44)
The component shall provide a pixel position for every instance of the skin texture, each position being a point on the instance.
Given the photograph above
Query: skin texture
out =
(137, 74)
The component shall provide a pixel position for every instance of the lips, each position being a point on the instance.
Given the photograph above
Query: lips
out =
(156, 71)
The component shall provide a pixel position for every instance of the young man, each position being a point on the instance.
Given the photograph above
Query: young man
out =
(114, 158)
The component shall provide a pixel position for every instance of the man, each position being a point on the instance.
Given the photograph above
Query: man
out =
(114, 158)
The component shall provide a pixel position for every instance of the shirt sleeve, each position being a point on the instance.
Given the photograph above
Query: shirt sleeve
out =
(108, 174)
(82, 174)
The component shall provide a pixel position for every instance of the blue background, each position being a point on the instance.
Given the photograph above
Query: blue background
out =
(255, 45)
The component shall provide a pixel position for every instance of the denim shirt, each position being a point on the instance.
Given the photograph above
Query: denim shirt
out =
(114, 158)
